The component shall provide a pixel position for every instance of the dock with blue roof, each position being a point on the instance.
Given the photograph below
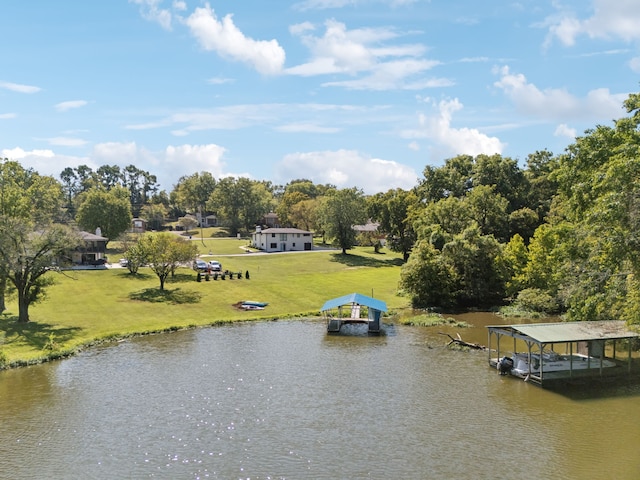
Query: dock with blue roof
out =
(348, 309)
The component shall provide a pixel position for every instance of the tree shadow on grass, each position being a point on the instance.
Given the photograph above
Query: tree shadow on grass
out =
(175, 296)
(177, 278)
(135, 276)
(35, 334)
(182, 278)
(360, 261)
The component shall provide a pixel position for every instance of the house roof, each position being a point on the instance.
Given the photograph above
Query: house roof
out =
(569, 331)
(356, 298)
(92, 237)
(367, 227)
(283, 230)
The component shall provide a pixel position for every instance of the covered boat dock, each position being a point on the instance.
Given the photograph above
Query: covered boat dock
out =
(348, 309)
(593, 340)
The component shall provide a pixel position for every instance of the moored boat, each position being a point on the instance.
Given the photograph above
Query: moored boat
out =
(522, 364)
(251, 303)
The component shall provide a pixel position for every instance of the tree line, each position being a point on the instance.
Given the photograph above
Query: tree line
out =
(557, 234)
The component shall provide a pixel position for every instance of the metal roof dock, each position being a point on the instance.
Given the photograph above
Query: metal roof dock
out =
(353, 302)
(594, 342)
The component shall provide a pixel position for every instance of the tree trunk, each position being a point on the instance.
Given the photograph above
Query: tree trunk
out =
(462, 343)
(23, 307)
(3, 289)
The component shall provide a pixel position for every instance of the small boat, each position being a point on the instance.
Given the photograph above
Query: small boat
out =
(523, 364)
(251, 307)
(251, 303)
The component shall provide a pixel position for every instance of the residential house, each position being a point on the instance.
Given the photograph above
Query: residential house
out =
(282, 239)
(271, 220)
(206, 220)
(92, 251)
(138, 225)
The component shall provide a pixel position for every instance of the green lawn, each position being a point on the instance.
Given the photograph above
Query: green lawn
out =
(86, 306)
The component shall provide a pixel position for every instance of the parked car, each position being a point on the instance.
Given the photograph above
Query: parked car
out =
(123, 262)
(215, 266)
(200, 266)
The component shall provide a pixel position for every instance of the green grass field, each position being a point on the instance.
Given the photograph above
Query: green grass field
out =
(88, 306)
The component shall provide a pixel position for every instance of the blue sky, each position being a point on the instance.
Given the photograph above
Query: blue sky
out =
(359, 93)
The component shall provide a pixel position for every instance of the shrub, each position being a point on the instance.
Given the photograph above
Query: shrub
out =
(536, 300)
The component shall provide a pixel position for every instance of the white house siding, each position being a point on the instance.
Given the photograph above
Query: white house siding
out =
(282, 240)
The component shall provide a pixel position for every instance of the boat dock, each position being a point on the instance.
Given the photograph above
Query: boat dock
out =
(349, 309)
(586, 346)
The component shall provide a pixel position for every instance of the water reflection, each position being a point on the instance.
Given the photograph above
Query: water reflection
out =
(286, 400)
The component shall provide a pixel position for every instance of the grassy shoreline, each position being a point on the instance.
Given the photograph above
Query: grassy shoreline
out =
(89, 307)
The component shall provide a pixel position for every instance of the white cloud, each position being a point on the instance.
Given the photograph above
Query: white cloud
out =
(20, 154)
(45, 162)
(66, 106)
(563, 130)
(168, 165)
(619, 19)
(185, 159)
(364, 52)
(347, 168)
(7, 116)
(634, 64)
(223, 37)
(16, 87)
(219, 80)
(66, 141)
(556, 103)
(455, 141)
(326, 4)
(151, 11)
(306, 128)
(179, 5)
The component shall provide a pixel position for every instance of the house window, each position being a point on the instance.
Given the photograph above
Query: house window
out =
(283, 237)
(273, 235)
(293, 245)
(273, 245)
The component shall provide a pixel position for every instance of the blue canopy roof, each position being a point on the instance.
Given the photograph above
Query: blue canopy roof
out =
(357, 298)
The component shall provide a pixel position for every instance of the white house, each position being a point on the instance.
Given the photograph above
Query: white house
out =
(282, 239)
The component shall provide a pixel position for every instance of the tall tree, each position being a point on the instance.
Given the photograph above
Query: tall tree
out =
(192, 192)
(240, 203)
(427, 278)
(287, 204)
(141, 186)
(110, 211)
(27, 253)
(163, 252)
(25, 196)
(341, 211)
(109, 176)
(392, 211)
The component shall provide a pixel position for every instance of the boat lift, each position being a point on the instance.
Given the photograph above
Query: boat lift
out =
(348, 309)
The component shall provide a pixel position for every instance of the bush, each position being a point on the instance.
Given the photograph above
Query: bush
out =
(536, 300)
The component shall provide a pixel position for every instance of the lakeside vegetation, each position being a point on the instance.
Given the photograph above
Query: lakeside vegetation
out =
(83, 307)
(559, 235)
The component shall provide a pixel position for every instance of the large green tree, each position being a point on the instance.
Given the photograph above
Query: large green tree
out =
(108, 210)
(25, 196)
(599, 196)
(163, 252)
(192, 192)
(341, 210)
(27, 253)
(392, 211)
(240, 203)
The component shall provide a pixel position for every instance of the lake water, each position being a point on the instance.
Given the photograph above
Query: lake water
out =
(284, 400)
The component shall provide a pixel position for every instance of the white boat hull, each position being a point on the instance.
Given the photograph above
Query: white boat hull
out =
(523, 364)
